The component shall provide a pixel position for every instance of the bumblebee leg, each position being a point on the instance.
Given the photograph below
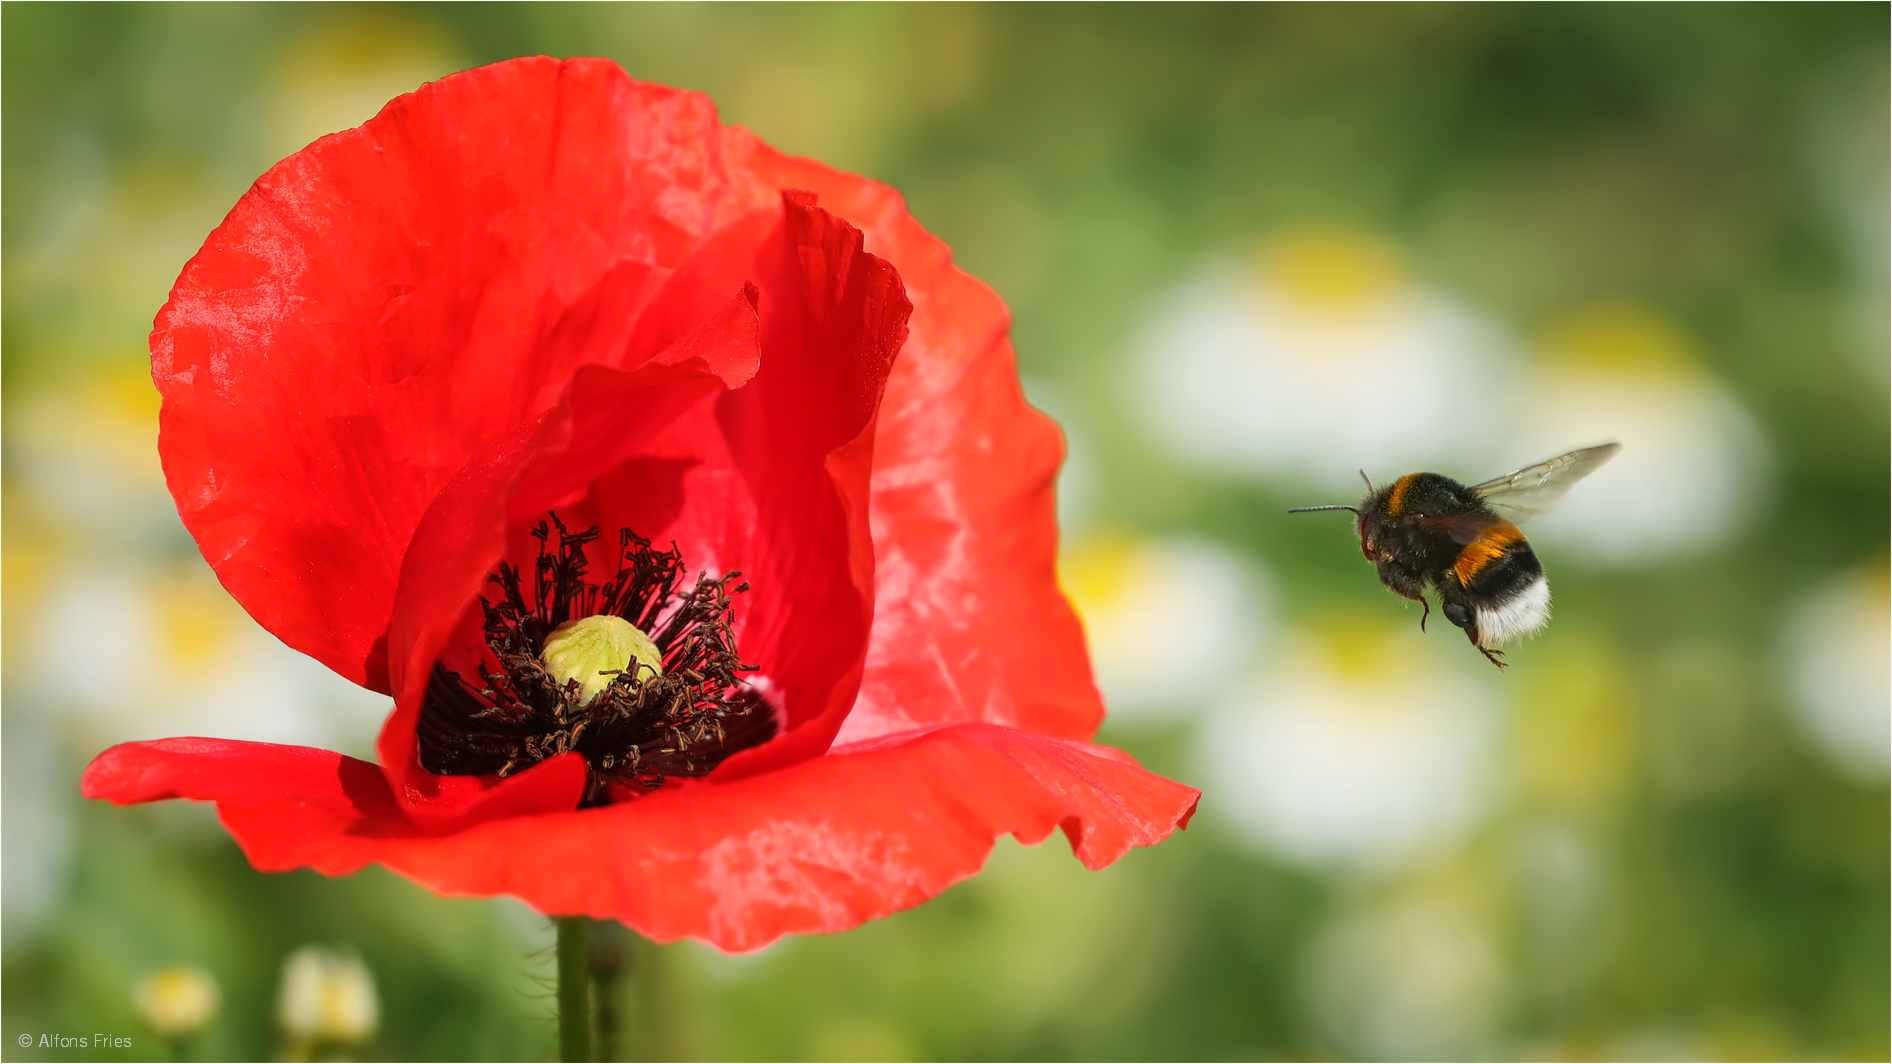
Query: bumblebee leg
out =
(1406, 584)
(1492, 655)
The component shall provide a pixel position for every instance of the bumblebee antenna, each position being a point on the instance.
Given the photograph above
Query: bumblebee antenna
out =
(1369, 483)
(1311, 509)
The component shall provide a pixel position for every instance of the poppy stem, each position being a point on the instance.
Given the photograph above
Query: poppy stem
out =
(610, 956)
(574, 988)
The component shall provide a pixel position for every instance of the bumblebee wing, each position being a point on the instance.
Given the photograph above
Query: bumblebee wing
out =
(1541, 488)
(1463, 528)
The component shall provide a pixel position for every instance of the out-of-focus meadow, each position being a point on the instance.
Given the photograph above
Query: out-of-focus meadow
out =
(1250, 249)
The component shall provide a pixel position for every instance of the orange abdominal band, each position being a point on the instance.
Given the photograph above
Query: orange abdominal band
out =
(1488, 547)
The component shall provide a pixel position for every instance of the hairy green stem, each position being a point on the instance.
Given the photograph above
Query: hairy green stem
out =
(610, 955)
(574, 988)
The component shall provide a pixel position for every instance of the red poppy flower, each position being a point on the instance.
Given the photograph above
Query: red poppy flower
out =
(439, 387)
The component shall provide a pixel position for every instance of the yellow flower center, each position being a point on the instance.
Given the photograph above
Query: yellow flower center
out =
(593, 650)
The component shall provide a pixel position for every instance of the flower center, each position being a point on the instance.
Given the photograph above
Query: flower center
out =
(593, 651)
(639, 677)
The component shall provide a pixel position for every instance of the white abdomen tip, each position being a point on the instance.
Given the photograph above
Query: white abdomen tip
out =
(1519, 616)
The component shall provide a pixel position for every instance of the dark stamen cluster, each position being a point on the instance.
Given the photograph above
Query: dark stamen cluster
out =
(639, 730)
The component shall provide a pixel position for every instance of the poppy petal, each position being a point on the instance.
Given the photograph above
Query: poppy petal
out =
(822, 846)
(801, 435)
(607, 417)
(273, 420)
(777, 477)
(383, 302)
(963, 506)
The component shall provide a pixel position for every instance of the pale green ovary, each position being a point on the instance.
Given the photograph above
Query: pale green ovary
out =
(592, 650)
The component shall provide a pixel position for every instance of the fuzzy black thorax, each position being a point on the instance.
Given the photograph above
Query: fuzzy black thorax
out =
(639, 730)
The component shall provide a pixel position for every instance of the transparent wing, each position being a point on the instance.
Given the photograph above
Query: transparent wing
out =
(1539, 489)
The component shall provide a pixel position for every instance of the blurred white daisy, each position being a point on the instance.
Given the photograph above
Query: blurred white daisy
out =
(1318, 359)
(144, 653)
(1839, 670)
(177, 1002)
(1171, 621)
(89, 453)
(1077, 477)
(1414, 977)
(327, 997)
(137, 639)
(1358, 746)
(1694, 467)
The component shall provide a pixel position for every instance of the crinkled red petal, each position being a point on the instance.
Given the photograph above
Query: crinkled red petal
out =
(821, 846)
(969, 621)
(381, 304)
(770, 479)
(798, 446)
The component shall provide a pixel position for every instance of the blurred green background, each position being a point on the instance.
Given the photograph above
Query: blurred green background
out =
(1249, 249)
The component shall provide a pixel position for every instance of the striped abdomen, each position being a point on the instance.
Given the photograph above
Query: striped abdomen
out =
(1504, 584)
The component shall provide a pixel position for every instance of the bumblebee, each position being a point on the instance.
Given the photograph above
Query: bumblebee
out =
(1427, 531)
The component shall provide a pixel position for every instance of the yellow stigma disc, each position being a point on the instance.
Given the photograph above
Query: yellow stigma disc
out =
(593, 650)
